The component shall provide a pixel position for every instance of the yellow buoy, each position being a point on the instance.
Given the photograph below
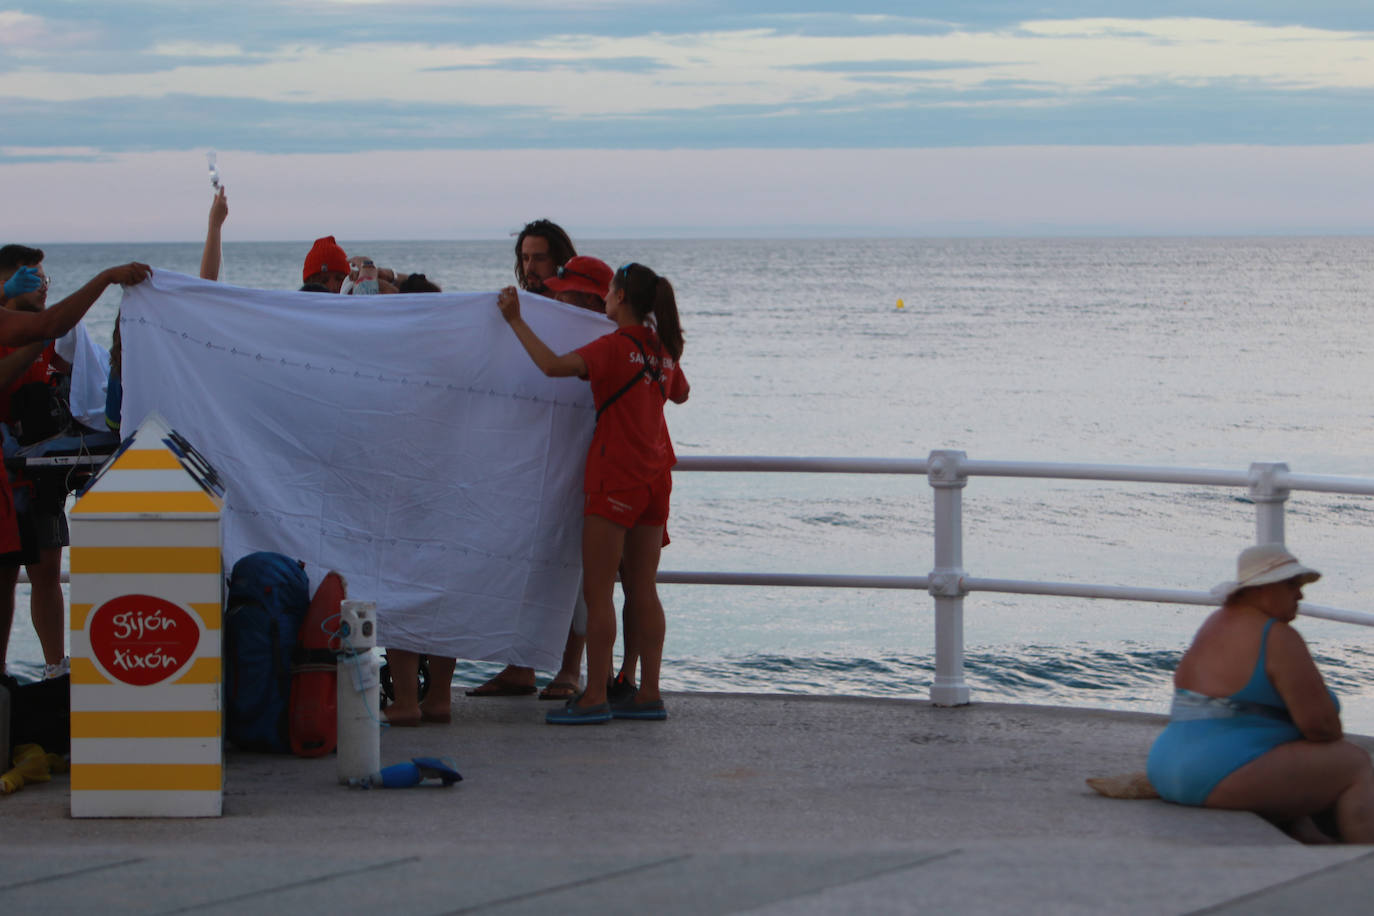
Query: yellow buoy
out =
(901, 304)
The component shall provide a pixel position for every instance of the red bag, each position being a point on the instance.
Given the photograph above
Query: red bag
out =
(314, 672)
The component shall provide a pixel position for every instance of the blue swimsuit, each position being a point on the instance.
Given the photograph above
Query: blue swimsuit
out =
(1209, 738)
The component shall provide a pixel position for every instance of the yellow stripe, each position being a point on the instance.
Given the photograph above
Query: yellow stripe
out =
(169, 777)
(146, 459)
(203, 671)
(147, 724)
(84, 671)
(79, 612)
(210, 614)
(145, 560)
(191, 501)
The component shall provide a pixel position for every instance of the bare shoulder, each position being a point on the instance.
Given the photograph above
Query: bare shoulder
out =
(1287, 644)
(1222, 655)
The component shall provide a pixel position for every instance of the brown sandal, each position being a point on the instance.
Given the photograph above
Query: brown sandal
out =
(558, 690)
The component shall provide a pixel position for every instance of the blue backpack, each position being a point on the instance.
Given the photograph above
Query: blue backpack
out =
(268, 598)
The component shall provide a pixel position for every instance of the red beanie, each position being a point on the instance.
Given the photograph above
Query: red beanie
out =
(325, 254)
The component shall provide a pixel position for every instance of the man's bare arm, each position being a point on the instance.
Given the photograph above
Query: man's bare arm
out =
(20, 328)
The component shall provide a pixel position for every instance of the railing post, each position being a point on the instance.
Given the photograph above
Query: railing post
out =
(946, 475)
(1269, 497)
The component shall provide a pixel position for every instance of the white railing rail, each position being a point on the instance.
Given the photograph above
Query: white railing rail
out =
(1268, 483)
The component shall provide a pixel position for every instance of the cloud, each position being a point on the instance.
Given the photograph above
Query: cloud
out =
(50, 154)
(546, 65)
(856, 67)
(881, 116)
(191, 50)
(760, 66)
(20, 30)
(475, 76)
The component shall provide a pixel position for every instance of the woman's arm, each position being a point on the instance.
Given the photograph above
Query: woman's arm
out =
(210, 257)
(681, 388)
(550, 363)
(1295, 676)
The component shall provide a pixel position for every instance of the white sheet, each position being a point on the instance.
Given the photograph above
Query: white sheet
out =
(90, 374)
(406, 441)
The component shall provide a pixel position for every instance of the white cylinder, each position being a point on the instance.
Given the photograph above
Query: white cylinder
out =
(360, 732)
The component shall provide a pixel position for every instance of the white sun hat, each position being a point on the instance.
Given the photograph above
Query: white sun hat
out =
(1263, 564)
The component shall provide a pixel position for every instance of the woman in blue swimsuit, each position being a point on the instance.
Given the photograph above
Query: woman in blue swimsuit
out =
(1253, 726)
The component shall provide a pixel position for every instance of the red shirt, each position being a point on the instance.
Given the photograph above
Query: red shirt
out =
(631, 445)
(38, 371)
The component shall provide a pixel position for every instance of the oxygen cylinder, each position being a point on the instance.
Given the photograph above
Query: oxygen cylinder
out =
(360, 730)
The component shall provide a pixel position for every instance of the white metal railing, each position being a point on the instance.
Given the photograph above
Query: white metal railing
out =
(1268, 483)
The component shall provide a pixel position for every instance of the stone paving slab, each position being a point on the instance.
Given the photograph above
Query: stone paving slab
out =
(771, 804)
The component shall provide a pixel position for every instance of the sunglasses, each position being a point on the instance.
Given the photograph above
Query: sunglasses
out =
(564, 273)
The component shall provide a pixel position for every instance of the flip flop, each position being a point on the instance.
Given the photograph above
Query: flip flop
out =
(558, 690)
(500, 688)
(572, 714)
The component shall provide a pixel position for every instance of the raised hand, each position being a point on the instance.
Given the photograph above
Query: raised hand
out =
(25, 280)
(508, 301)
(130, 274)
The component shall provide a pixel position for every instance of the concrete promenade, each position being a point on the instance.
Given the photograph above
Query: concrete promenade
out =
(758, 804)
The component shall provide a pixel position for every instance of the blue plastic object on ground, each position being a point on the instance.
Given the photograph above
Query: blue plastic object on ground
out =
(405, 775)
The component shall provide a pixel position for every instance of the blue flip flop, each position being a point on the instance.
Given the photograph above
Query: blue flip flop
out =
(572, 714)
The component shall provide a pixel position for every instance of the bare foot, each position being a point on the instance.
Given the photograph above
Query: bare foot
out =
(1305, 830)
(404, 718)
(435, 713)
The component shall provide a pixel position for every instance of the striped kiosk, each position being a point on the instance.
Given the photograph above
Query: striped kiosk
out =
(147, 596)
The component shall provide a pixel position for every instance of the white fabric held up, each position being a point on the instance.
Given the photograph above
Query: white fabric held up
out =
(406, 441)
(90, 370)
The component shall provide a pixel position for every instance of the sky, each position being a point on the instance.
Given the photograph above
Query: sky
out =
(435, 119)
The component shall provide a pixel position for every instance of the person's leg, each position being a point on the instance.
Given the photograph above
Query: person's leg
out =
(439, 697)
(566, 682)
(639, 580)
(1302, 778)
(629, 637)
(46, 607)
(9, 575)
(405, 687)
(603, 541)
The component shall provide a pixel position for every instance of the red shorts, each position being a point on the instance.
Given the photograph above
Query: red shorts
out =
(645, 505)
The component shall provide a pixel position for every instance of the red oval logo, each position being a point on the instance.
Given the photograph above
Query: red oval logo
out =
(141, 639)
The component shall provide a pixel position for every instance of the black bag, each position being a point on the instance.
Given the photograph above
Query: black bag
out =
(40, 713)
(40, 410)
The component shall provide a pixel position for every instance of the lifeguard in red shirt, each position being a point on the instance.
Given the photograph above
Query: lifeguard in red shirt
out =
(633, 371)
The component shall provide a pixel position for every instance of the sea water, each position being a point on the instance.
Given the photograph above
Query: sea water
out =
(1186, 352)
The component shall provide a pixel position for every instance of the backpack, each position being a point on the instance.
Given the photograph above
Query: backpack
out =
(39, 410)
(268, 597)
(39, 713)
(314, 673)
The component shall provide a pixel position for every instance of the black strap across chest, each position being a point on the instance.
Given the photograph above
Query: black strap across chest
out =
(645, 369)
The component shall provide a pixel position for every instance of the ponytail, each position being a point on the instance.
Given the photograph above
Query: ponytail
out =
(649, 294)
(665, 316)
